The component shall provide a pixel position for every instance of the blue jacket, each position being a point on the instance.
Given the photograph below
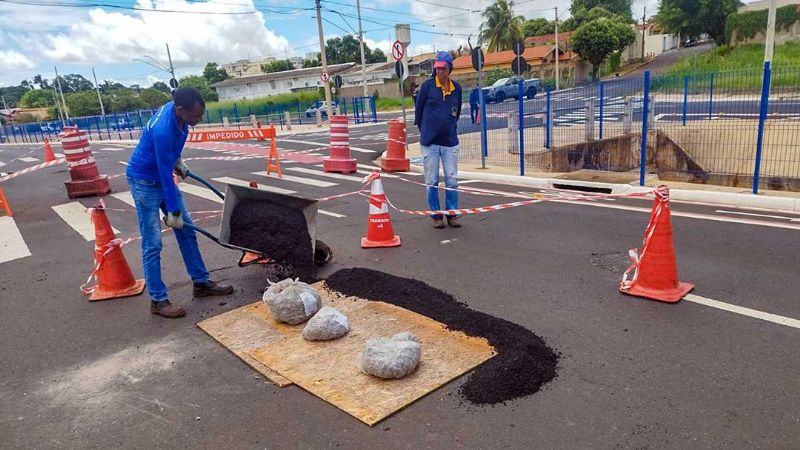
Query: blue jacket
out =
(159, 149)
(474, 97)
(437, 114)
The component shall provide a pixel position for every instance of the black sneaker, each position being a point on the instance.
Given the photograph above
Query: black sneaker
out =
(212, 288)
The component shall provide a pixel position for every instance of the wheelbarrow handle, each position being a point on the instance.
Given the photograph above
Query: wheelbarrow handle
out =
(206, 183)
(208, 234)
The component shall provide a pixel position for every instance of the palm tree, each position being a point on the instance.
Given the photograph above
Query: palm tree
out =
(501, 28)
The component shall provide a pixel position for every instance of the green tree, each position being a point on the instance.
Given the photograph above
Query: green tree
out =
(83, 103)
(596, 40)
(75, 83)
(373, 55)
(125, 100)
(496, 74)
(12, 94)
(161, 87)
(43, 83)
(619, 7)
(37, 98)
(308, 63)
(108, 86)
(277, 66)
(26, 84)
(691, 18)
(588, 15)
(538, 27)
(153, 98)
(500, 28)
(213, 73)
(201, 84)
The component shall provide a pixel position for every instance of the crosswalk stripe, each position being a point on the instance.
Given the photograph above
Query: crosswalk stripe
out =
(78, 218)
(263, 187)
(12, 246)
(338, 176)
(28, 159)
(199, 191)
(127, 198)
(302, 180)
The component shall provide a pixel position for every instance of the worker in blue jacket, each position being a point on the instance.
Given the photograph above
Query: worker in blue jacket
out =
(437, 110)
(150, 177)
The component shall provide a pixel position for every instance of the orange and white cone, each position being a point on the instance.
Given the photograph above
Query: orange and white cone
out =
(114, 276)
(655, 272)
(48, 151)
(379, 225)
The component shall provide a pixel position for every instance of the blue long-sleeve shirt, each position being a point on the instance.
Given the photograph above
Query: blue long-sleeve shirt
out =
(436, 113)
(159, 149)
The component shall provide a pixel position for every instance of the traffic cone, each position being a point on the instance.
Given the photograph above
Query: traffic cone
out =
(273, 153)
(114, 277)
(379, 225)
(655, 272)
(4, 204)
(48, 151)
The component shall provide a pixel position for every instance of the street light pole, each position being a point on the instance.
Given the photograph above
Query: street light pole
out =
(171, 69)
(61, 91)
(558, 74)
(324, 60)
(361, 40)
(769, 48)
(97, 88)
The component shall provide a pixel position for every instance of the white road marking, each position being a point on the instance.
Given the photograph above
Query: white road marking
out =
(332, 214)
(111, 149)
(774, 318)
(127, 198)
(58, 155)
(263, 187)
(2, 164)
(28, 159)
(124, 163)
(338, 176)
(769, 216)
(12, 246)
(203, 192)
(78, 218)
(355, 149)
(302, 180)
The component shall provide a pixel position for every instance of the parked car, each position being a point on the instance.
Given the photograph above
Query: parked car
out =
(505, 88)
(319, 105)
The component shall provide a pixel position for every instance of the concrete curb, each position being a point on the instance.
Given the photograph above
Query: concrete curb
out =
(687, 195)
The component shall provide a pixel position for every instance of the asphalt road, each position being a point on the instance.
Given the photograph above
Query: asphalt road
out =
(633, 374)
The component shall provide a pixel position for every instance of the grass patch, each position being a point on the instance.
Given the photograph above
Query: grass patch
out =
(388, 104)
(265, 105)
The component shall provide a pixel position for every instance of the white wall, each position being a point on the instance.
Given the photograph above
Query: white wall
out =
(265, 88)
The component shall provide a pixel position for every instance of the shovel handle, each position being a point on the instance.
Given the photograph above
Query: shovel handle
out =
(206, 183)
(202, 231)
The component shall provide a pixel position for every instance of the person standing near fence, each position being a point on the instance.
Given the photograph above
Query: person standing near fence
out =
(436, 113)
(474, 99)
(149, 173)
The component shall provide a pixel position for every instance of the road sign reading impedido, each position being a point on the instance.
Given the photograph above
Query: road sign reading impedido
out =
(398, 51)
(324, 77)
(477, 59)
(229, 135)
(519, 65)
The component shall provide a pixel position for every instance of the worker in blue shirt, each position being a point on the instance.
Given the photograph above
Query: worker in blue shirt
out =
(474, 104)
(436, 113)
(150, 177)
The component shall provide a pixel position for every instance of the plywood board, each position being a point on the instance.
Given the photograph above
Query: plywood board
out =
(244, 329)
(330, 369)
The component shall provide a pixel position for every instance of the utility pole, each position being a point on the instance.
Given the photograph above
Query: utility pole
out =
(61, 91)
(558, 74)
(769, 47)
(58, 105)
(644, 19)
(324, 60)
(361, 40)
(99, 98)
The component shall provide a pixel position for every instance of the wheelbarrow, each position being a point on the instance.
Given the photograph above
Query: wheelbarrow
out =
(238, 194)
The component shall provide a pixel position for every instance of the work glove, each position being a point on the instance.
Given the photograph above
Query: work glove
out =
(174, 220)
(181, 169)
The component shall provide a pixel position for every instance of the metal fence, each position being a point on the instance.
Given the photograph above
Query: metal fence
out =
(724, 128)
(128, 125)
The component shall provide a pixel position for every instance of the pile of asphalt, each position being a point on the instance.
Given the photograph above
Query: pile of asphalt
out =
(523, 364)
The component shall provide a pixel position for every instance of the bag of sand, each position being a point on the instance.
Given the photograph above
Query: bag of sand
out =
(292, 301)
(391, 358)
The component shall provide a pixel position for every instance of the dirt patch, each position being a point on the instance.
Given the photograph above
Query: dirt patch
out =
(277, 231)
(524, 362)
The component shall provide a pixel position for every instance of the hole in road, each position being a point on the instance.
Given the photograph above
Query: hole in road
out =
(571, 187)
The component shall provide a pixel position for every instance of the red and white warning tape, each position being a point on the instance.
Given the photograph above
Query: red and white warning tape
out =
(32, 169)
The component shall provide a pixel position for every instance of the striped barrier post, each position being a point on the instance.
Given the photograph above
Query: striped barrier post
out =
(86, 178)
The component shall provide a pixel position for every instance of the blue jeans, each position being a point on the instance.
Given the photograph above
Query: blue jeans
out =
(431, 155)
(149, 199)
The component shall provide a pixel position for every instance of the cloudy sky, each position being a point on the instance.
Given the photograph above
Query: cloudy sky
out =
(76, 35)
